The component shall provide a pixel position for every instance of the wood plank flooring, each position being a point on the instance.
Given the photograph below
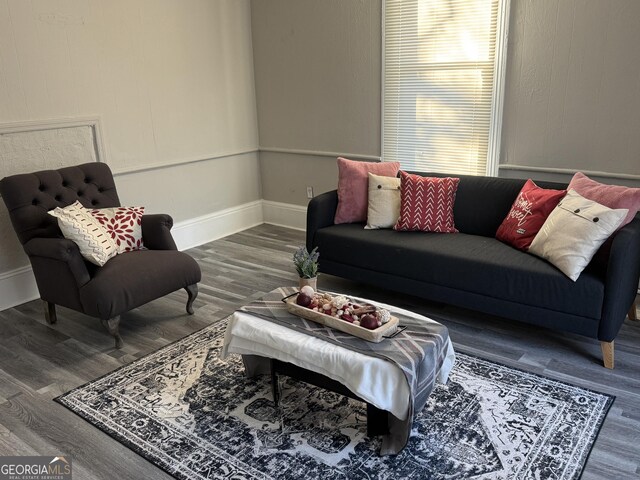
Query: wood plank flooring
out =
(39, 362)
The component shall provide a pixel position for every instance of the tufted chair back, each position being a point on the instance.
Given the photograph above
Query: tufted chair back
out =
(30, 196)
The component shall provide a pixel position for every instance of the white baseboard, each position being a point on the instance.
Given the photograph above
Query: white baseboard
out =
(197, 231)
(285, 214)
(16, 287)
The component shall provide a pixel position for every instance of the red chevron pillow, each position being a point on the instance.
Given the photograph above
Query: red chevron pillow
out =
(426, 203)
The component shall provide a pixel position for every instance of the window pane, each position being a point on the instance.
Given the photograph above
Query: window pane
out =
(439, 80)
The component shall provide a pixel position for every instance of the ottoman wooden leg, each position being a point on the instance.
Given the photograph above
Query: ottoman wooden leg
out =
(274, 384)
(377, 421)
(607, 354)
(633, 311)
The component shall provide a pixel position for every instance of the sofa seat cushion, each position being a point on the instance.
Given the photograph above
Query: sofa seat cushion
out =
(135, 278)
(470, 263)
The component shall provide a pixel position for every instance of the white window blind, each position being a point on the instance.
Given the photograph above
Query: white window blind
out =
(440, 75)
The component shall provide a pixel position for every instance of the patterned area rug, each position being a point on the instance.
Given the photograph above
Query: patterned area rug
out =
(197, 417)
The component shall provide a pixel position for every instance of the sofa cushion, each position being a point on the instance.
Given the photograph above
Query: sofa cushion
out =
(93, 240)
(384, 202)
(528, 213)
(471, 263)
(574, 232)
(135, 278)
(426, 203)
(612, 196)
(353, 187)
(124, 224)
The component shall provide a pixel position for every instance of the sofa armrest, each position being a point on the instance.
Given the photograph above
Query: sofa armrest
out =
(320, 213)
(60, 250)
(156, 232)
(621, 284)
(59, 270)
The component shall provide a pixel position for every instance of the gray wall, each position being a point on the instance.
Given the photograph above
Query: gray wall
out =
(317, 71)
(172, 83)
(572, 99)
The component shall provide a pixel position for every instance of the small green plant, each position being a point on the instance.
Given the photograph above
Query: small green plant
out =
(306, 263)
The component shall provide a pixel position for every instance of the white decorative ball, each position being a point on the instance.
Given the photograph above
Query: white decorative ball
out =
(340, 301)
(307, 290)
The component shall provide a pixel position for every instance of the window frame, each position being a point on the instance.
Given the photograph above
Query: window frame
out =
(497, 95)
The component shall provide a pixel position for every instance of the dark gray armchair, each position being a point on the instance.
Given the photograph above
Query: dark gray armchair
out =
(64, 278)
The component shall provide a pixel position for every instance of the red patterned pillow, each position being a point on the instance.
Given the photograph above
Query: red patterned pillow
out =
(124, 224)
(426, 203)
(528, 213)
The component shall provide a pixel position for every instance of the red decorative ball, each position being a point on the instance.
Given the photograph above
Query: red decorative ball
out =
(369, 321)
(303, 300)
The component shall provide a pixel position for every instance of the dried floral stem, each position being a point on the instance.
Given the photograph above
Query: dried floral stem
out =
(306, 263)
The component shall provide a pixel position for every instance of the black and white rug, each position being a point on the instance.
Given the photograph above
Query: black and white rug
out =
(198, 417)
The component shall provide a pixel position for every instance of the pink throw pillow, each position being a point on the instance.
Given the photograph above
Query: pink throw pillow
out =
(612, 196)
(528, 213)
(426, 203)
(353, 187)
(124, 224)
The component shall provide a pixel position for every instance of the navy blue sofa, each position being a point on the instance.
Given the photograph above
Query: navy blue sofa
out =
(472, 269)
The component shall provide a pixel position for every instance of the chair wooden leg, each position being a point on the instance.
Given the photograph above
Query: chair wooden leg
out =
(50, 312)
(633, 311)
(607, 354)
(192, 291)
(112, 327)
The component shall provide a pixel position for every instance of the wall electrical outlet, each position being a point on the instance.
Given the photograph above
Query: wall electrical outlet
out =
(309, 192)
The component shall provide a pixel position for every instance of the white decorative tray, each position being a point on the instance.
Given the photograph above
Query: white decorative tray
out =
(376, 336)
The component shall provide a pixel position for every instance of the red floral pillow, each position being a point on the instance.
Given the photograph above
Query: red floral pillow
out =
(426, 203)
(528, 213)
(124, 224)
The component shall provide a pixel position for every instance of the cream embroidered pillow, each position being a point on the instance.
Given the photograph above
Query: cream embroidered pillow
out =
(384, 202)
(93, 240)
(573, 233)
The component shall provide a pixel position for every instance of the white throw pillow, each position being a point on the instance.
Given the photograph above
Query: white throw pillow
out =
(573, 233)
(93, 240)
(384, 202)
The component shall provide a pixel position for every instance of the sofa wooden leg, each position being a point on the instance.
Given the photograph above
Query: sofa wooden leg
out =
(50, 312)
(192, 291)
(607, 353)
(633, 311)
(112, 327)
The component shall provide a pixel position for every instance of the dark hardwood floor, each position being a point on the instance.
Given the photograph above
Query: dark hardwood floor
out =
(39, 362)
